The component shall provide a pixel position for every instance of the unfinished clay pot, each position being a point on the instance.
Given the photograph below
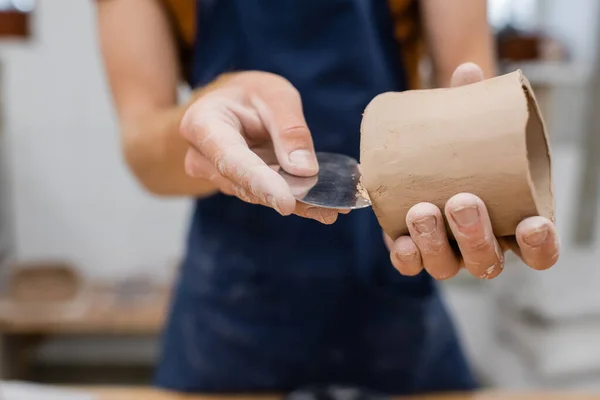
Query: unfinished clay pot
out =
(486, 138)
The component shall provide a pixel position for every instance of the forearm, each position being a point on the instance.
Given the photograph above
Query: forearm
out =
(143, 80)
(155, 151)
(457, 31)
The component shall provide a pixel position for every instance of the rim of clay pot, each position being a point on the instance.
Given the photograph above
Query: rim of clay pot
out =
(538, 157)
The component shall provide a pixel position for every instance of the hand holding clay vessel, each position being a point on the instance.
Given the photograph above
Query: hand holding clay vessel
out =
(486, 138)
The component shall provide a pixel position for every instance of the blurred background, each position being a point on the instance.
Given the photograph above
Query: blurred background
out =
(85, 274)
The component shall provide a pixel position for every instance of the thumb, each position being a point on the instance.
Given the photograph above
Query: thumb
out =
(280, 110)
(466, 74)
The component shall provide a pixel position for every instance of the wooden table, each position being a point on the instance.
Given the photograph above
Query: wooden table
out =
(149, 394)
(100, 311)
(152, 394)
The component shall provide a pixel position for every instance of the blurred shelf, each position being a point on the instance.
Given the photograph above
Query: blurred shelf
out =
(99, 311)
(14, 24)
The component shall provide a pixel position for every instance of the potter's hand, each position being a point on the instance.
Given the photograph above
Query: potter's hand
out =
(428, 247)
(236, 130)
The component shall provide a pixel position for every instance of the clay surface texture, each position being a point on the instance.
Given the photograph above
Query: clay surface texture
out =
(486, 138)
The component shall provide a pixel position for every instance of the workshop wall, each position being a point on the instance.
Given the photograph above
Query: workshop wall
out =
(72, 196)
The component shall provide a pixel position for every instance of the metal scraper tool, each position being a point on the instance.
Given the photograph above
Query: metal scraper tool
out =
(337, 185)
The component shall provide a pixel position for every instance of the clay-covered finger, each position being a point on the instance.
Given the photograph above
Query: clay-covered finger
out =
(538, 242)
(427, 230)
(325, 216)
(197, 166)
(405, 256)
(470, 223)
(215, 136)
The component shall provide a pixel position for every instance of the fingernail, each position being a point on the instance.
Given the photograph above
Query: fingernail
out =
(425, 225)
(303, 159)
(537, 237)
(466, 216)
(405, 255)
(321, 215)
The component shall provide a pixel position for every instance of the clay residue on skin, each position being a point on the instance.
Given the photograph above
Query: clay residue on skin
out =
(361, 191)
(488, 272)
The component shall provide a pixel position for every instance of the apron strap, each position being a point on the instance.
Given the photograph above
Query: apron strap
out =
(407, 31)
(182, 17)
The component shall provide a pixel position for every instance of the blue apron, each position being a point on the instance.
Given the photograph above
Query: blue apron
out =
(271, 303)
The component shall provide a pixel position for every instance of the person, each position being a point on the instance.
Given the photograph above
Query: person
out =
(274, 294)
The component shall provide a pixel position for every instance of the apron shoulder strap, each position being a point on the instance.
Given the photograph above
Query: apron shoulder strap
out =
(182, 16)
(408, 33)
(407, 23)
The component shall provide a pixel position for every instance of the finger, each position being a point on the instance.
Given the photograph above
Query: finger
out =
(280, 109)
(406, 257)
(470, 223)
(538, 242)
(197, 166)
(325, 216)
(426, 227)
(216, 136)
(465, 74)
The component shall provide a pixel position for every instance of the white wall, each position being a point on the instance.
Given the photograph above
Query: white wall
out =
(575, 23)
(72, 196)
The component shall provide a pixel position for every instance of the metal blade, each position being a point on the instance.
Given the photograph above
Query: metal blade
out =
(337, 184)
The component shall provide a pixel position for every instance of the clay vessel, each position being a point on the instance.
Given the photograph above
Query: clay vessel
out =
(486, 138)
